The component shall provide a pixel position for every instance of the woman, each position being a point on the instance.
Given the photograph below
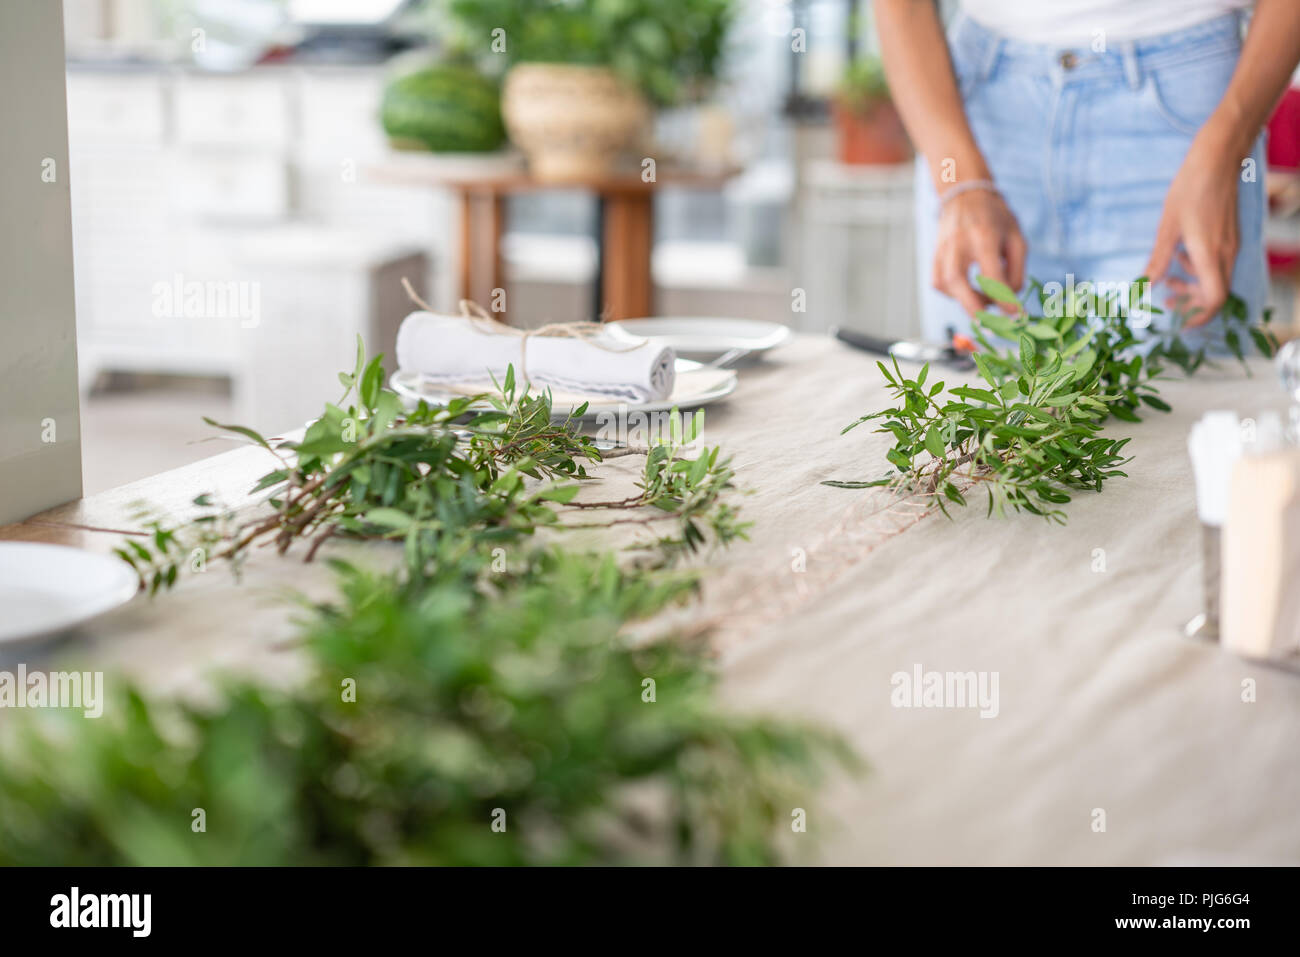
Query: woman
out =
(1096, 140)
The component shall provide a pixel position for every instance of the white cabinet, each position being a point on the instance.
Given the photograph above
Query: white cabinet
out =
(240, 112)
(230, 186)
(317, 290)
(338, 113)
(116, 108)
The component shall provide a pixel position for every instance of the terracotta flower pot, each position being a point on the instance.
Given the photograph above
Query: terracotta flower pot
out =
(573, 122)
(871, 135)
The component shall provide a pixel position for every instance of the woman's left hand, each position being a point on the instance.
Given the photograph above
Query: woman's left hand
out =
(1200, 214)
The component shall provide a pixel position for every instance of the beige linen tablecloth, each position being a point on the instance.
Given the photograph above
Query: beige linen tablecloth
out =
(1107, 715)
(1105, 708)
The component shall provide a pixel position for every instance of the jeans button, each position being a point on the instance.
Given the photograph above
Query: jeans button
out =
(1068, 61)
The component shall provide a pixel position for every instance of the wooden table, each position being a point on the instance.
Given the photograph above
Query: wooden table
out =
(1103, 703)
(624, 287)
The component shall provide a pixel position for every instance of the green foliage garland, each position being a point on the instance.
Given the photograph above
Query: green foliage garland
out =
(459, 712)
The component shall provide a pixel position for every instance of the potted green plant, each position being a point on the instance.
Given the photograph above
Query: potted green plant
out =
(583, 76)
(868, 128)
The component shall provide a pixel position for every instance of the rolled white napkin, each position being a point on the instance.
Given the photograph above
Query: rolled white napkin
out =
(454, 350)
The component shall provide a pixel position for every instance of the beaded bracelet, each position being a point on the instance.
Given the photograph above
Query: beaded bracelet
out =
(965, 187)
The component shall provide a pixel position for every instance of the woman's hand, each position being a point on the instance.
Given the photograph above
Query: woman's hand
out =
(1200, 213)
(977, 227)
(1201, 207)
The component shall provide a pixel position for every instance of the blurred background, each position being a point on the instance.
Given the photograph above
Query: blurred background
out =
(251, 179)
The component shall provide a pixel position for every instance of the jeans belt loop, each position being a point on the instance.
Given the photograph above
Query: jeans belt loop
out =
(1132, 66)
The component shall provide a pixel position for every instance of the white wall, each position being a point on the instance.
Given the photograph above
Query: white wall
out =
(40, 435)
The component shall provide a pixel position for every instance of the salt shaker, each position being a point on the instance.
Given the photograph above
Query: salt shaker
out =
(1214, 446)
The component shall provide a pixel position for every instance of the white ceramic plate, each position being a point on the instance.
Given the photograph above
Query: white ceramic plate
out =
(696, 385)
(703, 338)
(47, 588)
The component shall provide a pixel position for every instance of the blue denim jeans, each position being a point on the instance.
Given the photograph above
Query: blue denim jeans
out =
(1084, 146)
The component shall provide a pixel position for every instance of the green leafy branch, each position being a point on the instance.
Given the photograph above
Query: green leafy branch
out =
(1030, 433)
(479, 688)
(691, 491)
(478, 694)
(495, 464)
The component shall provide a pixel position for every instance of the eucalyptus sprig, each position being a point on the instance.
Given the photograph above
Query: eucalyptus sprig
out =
(1030, 434)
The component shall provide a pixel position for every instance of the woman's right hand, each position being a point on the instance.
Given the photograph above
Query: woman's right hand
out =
(977, 227)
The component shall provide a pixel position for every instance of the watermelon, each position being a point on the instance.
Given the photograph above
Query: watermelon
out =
(448, 108)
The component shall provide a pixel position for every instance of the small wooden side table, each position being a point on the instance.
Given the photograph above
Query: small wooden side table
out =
(624, 288)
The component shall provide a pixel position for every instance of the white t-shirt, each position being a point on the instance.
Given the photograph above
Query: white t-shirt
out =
(1078, 23)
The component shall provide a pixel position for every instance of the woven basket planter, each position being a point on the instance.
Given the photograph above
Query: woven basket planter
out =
(573, 122)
